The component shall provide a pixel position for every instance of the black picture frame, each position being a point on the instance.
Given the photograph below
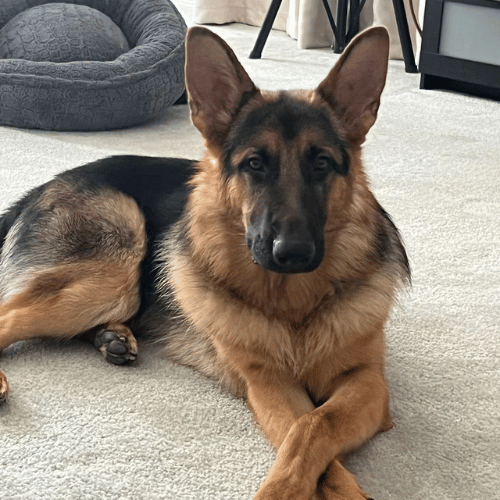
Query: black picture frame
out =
(450, 73)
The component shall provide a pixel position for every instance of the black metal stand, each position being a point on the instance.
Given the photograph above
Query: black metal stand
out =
(342, 31)
(266, 28)
(404, 36)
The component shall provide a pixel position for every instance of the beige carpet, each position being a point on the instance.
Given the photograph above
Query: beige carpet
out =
(78, 428)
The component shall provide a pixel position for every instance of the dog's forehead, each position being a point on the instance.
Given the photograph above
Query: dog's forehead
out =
(290, 115)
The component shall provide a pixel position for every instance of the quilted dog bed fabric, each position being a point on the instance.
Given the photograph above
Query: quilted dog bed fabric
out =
(89, 64)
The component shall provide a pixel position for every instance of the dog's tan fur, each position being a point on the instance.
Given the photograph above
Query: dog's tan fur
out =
(306, 350)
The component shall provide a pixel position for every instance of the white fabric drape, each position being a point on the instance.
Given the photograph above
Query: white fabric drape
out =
(304, 20)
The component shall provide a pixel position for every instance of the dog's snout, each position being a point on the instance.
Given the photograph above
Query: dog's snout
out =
(293, 255)
(285, 244)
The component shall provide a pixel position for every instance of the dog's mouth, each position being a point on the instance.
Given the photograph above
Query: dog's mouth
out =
(285, 256)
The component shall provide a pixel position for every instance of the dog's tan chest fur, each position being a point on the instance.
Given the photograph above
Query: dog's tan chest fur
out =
(313, 344)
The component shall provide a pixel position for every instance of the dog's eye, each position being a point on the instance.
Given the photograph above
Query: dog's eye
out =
(255, 163)
(322, 163)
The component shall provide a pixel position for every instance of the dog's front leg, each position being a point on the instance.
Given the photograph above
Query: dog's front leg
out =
(356, 411)
(278, 405)
(276, 399)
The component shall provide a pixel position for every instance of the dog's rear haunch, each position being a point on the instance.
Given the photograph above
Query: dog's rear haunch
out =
(268, 265)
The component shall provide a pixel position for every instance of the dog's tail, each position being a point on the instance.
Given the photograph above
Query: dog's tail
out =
(7, 220)
(10, 216)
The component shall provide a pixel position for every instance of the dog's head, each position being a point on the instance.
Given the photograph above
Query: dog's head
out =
(287, 156)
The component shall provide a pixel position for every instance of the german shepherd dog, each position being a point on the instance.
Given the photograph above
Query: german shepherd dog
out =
(268, 265)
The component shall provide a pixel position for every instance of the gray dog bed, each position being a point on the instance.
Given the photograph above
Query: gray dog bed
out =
(89, 64)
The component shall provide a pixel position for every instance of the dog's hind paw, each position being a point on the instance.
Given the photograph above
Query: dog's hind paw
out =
(117, 344)
(4, 388)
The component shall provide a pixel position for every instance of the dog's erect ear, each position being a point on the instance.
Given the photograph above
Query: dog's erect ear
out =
(354, 85)
(216, 83)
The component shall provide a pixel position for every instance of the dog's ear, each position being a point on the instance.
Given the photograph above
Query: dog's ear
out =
(216, 83)
(353, 86)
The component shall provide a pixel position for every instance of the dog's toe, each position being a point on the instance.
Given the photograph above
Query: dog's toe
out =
(4, 387)
(116, 347)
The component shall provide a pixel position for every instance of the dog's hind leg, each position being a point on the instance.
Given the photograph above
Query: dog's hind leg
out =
(70, 299)
(71, 264)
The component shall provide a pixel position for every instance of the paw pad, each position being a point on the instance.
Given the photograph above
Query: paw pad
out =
(115, 347)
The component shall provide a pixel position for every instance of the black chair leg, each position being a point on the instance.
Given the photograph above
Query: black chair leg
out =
(340, 42)
(404, 36)
(331, 20)
(354, 14)
(353, 19)
(266, 28)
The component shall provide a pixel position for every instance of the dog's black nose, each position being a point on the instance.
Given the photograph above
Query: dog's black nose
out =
(293, 256)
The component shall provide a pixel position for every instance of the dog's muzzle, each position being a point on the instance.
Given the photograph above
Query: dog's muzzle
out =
(285, 248)
(293, 256)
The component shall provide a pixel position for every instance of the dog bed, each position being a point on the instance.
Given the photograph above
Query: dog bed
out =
(89, 64)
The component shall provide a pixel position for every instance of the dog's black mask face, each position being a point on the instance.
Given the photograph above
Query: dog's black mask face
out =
(289, 155)
(283, 150)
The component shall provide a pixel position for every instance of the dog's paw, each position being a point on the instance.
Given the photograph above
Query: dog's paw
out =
(4, 388)
(118, 346)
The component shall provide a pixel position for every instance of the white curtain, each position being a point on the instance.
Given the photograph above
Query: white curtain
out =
(304, 20)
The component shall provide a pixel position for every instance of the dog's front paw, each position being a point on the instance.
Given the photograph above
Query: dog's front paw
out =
(4, 387)
(340, 495)
(117, 344)
(284, 489)
(339, 484)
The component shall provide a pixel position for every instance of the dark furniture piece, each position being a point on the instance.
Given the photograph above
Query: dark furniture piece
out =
(344, 29)
(461, 47)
